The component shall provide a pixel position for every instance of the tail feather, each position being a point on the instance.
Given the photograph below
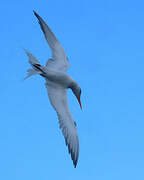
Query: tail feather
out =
(32, 59)
(33, 62)
(31, 72)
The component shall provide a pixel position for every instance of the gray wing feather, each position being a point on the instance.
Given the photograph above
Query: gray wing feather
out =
(58, 99)
(58, 53)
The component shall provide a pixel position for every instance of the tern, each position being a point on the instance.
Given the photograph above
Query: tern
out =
(57, 83)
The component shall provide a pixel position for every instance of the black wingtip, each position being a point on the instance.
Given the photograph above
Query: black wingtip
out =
(35, 13)
(75, 163)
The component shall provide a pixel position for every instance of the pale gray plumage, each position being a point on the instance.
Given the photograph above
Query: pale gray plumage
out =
(57, 83)
(58, 99)
(59, 57)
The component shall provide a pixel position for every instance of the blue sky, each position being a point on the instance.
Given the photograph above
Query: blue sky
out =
(105, 44)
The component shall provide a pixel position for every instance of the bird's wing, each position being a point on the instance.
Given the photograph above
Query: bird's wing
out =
(58, 99)
(60, 61)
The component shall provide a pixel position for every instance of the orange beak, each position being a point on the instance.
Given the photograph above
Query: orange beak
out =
(80, 102)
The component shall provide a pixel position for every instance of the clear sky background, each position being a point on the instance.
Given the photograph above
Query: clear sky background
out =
(104, 41)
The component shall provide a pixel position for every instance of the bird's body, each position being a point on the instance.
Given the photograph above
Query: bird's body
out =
(58, 77)
(57, 83)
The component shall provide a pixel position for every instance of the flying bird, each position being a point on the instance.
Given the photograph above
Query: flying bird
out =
(57, 83)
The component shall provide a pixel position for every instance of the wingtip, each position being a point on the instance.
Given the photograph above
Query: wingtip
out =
(35, 13)
(75, 165)
(74, 160)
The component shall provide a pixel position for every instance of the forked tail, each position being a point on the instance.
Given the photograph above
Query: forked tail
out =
(35, 65)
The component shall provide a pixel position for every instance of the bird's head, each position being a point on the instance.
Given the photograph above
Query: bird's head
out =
(77, 92)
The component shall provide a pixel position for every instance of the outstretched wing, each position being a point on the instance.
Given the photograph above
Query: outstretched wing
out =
(59, 57)
(58, 99)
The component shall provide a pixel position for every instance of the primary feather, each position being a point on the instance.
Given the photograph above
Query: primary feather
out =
(59, 57)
